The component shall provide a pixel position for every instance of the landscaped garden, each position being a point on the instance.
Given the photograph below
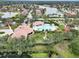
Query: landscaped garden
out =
(59, 44)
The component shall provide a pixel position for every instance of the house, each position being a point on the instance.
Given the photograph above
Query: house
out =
(37, 23)
(71, 13)
(9, 22)
(3, 9)
(22, 30)
(39, 11)
(24, 11)
(53, 12)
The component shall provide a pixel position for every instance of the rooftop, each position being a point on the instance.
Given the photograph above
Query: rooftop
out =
(22, 30)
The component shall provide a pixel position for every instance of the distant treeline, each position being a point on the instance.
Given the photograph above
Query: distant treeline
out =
(38, 2)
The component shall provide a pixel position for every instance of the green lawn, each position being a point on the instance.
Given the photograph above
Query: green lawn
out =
(63, 50)
(39, 55)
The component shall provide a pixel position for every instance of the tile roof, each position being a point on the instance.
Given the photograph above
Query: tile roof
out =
(22, 30)
(38, 23)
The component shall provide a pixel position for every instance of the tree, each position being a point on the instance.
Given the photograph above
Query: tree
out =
(74, 46)
(45, 36)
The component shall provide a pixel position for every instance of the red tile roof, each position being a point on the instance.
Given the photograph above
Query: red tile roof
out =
(38, 23)
(22, 30)
(71, 13)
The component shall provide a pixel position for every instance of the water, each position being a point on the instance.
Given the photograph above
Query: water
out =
(45, 27)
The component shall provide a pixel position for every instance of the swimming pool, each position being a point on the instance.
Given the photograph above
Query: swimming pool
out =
(45, 27)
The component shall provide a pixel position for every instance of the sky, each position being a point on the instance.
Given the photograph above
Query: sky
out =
(41, 0)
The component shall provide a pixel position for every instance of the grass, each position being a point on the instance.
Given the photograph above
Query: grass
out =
(38, 37)
(63, 50)
(61, 27)
(39, 48)
(39, 55)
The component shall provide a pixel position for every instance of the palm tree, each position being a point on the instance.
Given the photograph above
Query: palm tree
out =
(45, 36)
